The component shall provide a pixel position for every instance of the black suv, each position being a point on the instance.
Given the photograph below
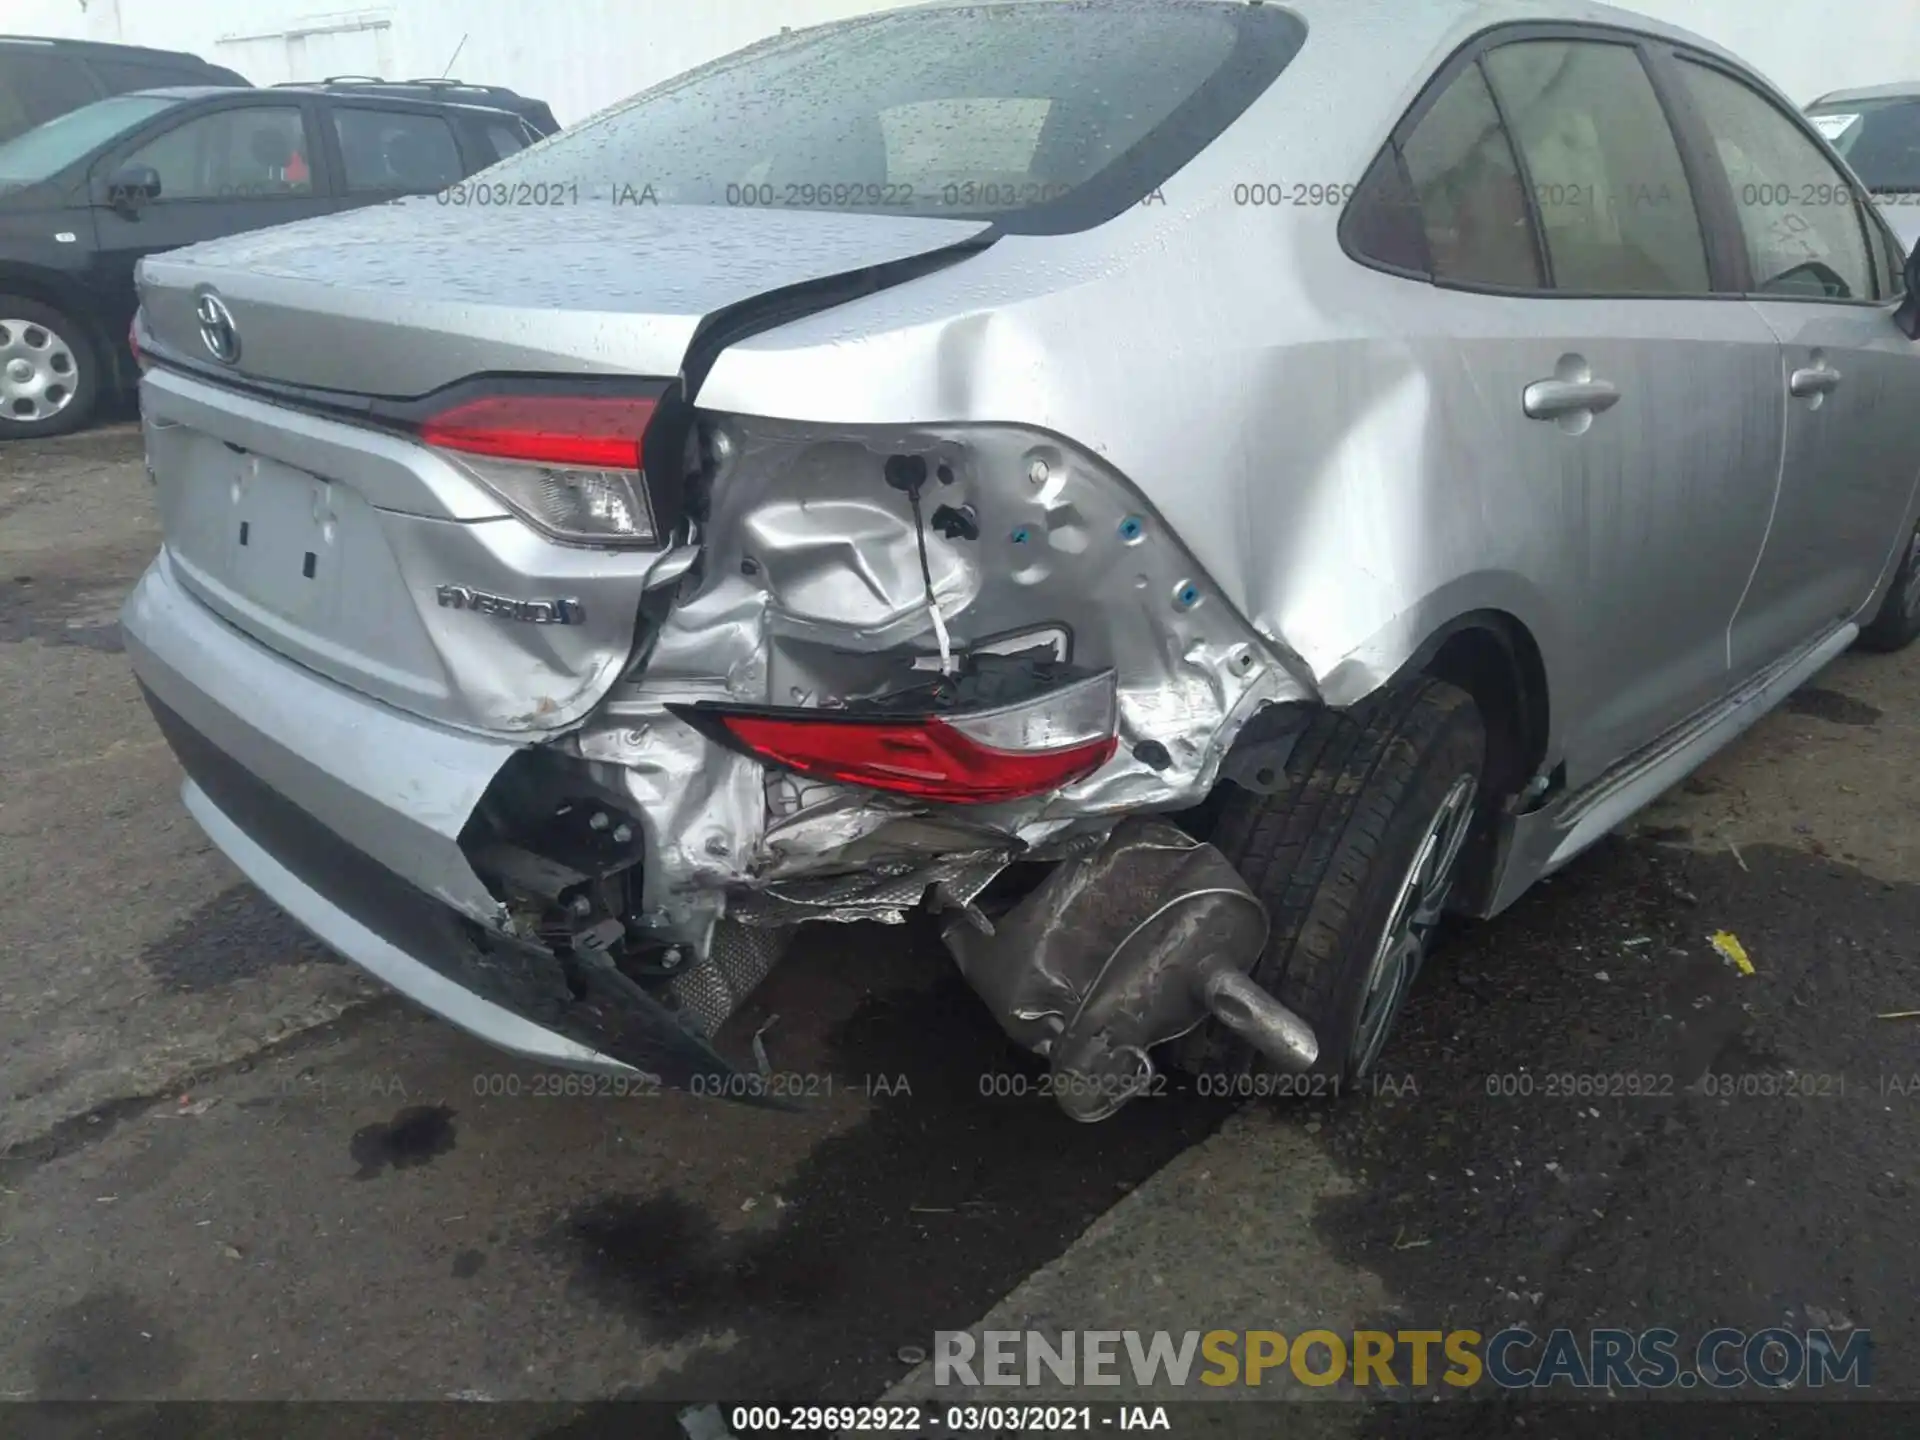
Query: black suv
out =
(462, 92)
(40, 79)
(85, 196)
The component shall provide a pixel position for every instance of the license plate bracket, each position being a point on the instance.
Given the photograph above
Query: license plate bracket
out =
(282, 538)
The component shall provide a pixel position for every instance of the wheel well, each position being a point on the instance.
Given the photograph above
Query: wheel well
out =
(1495, 659)
(60, 297)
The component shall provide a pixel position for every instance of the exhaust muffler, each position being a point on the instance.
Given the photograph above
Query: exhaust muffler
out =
(1122, 950)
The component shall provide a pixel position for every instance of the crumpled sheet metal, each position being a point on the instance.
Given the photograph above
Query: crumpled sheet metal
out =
(951, 881)
(811, 594)
(702, 812)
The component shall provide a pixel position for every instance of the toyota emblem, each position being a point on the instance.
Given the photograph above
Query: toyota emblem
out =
(217, 330)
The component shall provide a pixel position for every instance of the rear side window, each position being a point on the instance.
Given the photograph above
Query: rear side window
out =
(1612, 196)
(506, 139)
(1466, 186)
(1045, 118)
(1799, 215)
(396, 152)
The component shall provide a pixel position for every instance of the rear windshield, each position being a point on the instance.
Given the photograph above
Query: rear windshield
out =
(1043, 116)
(42, 152)
(1879, 138)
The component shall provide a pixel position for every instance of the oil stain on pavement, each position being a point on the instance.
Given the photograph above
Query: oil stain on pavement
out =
(415, 1136)
(72, 599)
(1831, 706)
(914, 1220)
(236, 935)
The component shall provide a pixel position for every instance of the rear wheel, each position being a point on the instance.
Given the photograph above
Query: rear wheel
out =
(49, 374)
(1899, 619)
(1355, 861)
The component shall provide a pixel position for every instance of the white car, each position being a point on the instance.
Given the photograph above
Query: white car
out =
(1878, 131)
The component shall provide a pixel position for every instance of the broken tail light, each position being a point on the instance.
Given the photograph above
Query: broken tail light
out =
(971, 757)
(570, 464)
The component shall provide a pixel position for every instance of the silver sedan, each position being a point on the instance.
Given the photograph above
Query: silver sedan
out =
(1188, 492)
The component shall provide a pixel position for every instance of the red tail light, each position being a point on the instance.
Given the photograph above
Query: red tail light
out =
(1036, 746)
(575, 431)
(573, 465)
(133, 342)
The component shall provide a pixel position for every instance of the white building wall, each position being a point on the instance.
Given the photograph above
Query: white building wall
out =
(579, 55)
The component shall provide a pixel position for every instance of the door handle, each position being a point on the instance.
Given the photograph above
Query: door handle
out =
(1821, 379)
(1546, 399)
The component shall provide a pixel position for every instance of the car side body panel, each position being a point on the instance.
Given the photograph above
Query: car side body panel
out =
(1849, 467)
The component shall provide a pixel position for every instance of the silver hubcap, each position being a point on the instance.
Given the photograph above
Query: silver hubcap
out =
(37, 371)
(1910, 591)
(1416, 910)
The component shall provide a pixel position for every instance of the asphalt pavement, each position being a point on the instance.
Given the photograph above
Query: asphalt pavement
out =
(231, 1169)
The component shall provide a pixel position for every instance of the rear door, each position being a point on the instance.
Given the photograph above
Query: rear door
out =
(1631, 412)
(223, 169)
(1814, 270)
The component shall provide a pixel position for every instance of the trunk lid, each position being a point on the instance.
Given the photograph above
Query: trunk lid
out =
(402, 299)
(385, 564)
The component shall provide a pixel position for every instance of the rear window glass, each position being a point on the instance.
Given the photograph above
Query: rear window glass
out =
(1880, 139)
(1043, 117)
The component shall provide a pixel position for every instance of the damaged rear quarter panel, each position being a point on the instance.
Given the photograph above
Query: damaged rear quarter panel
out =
(1253, 383)
(813, 597)
(1223, 372)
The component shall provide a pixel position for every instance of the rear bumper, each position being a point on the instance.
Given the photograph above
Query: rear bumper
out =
(347, 814)
(399, 788)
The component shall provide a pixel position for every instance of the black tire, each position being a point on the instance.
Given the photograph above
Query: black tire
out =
(72, 356)
(1329, 853)
(1898, 620)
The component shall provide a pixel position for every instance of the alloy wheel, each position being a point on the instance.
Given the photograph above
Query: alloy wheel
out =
(1416, 911)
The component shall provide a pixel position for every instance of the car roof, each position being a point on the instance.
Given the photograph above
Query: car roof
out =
(229, 92)
(438, 89)
(1406, 28)
(107, 51)
(182, 92)
(404, 102)
(1898, 90)
(374, 82)
(1457, 19)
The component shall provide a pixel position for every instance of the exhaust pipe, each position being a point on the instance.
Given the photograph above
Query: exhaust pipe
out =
(1237, 1002)
(1124, 949)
